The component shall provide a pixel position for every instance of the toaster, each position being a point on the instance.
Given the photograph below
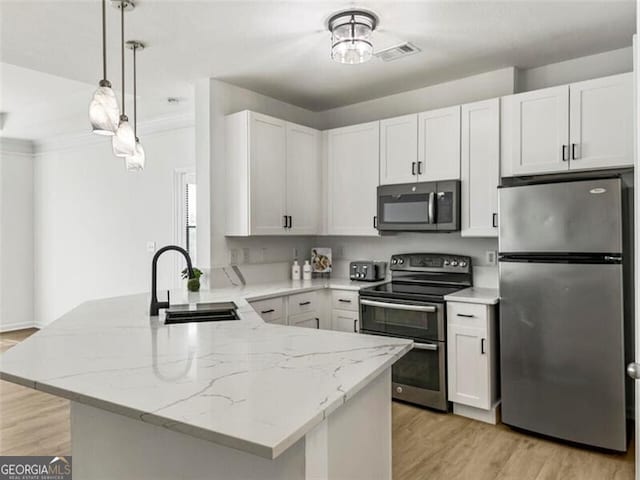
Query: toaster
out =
(367, 271)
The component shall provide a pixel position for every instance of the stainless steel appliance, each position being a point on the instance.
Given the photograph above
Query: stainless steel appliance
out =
(412, 306)
(561, 310)
(367, 271)
(419, 207)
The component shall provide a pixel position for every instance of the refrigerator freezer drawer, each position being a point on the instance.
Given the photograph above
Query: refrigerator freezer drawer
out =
(578, 216)
(562, 351)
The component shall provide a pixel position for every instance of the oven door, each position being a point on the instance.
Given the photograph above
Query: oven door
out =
(407, 207)
(418, 320)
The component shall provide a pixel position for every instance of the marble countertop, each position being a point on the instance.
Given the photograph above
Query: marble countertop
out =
(244, 384)
(486, 296)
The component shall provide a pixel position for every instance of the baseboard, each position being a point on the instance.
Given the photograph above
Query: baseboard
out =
(11, 327)
(492, 416)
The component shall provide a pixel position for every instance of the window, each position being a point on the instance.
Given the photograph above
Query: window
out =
(190, 217)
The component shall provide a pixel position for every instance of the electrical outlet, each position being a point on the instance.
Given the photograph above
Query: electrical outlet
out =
(490, 256)
(151, 246)
(234, 256)
(340, 252)
(295, 252)
(246, 255)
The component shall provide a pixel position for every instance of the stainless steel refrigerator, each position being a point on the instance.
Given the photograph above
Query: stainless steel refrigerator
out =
(562, 310)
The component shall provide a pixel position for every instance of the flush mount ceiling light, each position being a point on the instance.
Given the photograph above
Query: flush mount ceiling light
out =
(135, 162)
(351, 36)
(103, 109)
(124, 141)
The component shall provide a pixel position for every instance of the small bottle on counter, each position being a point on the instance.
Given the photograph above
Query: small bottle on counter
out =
(295, 270)
(306, 270)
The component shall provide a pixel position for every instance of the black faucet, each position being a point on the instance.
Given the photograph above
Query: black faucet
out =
(155, 304)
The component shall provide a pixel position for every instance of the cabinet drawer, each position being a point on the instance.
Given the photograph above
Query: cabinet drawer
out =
(344, 300)
(307, 320)
(303, 302)
(467, 315)
(345, 321)
(270, 310)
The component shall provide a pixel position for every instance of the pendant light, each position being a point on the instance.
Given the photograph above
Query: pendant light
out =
(135, 162)
(124, 141)
(103, 109)
(351, 36)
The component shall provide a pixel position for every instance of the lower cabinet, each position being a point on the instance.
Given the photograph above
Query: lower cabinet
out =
(472, 360)
(345, 321)
(307, 320)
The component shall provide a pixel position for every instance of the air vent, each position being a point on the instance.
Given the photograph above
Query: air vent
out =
(397, 51)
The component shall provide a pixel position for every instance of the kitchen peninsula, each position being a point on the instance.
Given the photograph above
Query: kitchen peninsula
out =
(235, 399)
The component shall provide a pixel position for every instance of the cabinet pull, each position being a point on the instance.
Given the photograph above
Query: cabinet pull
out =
(290, 221)
(284, 217)
(317, 323)
(494, 220)
(344, 300)
(482, 350)
(355, 325)
(302, 304)
(573, 151)
(375, 221)
(419, 168)
(267, 311)
(565, 153)
(413, 168)
(465, 315)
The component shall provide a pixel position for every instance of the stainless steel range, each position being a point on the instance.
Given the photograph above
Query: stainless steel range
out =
(412, 306)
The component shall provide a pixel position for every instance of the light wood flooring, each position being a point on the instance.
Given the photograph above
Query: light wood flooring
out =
(426, 445)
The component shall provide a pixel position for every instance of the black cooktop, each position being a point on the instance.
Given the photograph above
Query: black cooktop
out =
(411, 291)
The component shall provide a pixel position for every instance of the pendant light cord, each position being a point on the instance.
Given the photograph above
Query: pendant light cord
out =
(104, 39)
(122, 6)
(135, 97)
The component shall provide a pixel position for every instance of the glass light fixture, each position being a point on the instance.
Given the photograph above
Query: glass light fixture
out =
(135, 162)
(124, 141)
(103, 109)
(351, 36)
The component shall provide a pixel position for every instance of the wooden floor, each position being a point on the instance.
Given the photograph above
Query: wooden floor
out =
(426, 445)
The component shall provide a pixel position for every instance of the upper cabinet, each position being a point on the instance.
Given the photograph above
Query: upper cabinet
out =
(480, 168)
(582, 126)
(439, 144)
(399, 150)
(272, 176)
(352, 179)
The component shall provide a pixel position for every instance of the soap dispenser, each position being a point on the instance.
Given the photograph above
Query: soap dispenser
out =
(306, 271)
(295, 270)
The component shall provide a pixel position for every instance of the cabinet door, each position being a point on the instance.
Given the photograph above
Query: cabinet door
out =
(540, 131)
(439, 144)
(304, 179)
(399, 150)
(306, 320)
(352, 179)
(345, 321)
(480, 173)
(468, 366)
(601, 122)
(268, 174)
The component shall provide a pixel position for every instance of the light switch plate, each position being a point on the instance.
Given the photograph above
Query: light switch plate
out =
(151, 246)
(491, 257)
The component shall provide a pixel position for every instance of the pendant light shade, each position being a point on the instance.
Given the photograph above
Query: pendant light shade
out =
(103, 109)
(135, 162)
(351, 36)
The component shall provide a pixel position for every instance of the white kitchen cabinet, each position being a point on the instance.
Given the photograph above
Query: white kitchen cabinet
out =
(399, 150)
(480, 172)
(271, 310)
(601, 123)
(472, 357)
(352, 179)
(345, 321)
(272, 176)
(306, 320)
(439, 144)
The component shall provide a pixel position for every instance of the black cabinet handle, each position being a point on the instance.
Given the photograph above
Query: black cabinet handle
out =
(465, 315)
(494, 220)
(482, 350)
(565, 153)
(375, 221)
(413, 168)
(285, 221)
(268, 311)
(290, 221)
(344, 300)
(355, 325)
(573, 151)
(317, 323)
(304, 303)
(419, 168)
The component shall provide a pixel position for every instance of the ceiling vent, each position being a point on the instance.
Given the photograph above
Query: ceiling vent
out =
(397, 51)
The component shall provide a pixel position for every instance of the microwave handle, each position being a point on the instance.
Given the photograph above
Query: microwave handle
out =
(432, 208)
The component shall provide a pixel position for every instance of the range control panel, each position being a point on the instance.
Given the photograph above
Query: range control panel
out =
(431, 262)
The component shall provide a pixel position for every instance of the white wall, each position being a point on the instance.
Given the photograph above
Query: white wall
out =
(16, 234)
(93, 220)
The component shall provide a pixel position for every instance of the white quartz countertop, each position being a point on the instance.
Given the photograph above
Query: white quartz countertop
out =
(486, 296)
(244, 384)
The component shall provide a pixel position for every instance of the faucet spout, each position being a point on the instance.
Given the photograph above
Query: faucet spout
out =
(155, 307)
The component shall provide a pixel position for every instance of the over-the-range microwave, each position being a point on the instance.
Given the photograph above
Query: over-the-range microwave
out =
(419, 207)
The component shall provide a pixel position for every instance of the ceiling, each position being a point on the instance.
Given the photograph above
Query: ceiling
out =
(281, 49)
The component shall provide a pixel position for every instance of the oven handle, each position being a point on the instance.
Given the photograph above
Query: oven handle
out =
(426, 346)
(400, 306)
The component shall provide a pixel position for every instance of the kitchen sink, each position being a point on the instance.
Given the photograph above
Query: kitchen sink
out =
(202, 312)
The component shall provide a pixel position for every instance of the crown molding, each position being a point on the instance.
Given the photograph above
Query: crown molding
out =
(16, 146)
(84, 139)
